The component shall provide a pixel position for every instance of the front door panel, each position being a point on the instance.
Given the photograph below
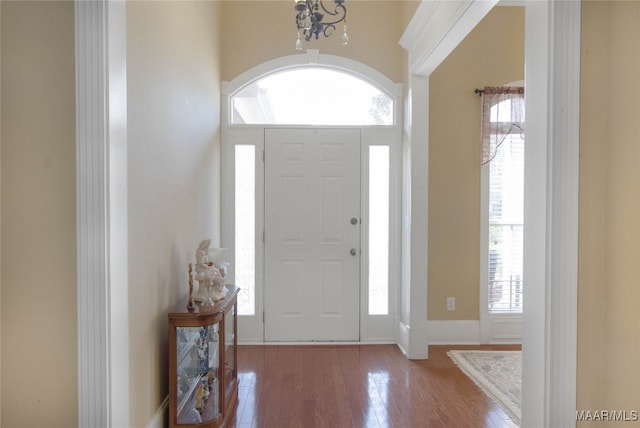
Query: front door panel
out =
(312, 235)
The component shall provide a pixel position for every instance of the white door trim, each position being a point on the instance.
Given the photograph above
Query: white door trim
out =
(373, 327)
(552, 58)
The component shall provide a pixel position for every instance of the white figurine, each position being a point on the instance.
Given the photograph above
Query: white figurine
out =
(209, 274)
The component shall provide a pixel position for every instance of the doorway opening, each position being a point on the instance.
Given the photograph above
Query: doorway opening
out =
(552, 67)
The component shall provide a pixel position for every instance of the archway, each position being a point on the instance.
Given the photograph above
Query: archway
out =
(552, 41)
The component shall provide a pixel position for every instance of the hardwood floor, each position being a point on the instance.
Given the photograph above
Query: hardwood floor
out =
(359, 386)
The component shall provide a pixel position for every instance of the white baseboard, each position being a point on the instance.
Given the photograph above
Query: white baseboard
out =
(504, 329)
(161, 415)
(455, 332)
(501, 330)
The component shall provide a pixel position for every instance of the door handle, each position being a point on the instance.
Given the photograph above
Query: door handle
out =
(354, 252)
(354, 221)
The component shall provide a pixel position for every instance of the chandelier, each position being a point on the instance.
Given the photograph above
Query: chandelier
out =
(309, 20)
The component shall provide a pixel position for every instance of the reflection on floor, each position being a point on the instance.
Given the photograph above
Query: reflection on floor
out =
(359, 386)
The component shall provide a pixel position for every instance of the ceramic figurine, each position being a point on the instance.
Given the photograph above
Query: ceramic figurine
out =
(204, 273)
(210, 273)
(199, 397)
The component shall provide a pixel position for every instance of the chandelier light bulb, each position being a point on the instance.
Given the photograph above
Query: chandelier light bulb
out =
(301, 6)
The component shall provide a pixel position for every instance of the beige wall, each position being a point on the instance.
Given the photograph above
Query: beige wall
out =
(39, 381)
(491, 55)
(609, 234)
(259, 31)
(173, 83)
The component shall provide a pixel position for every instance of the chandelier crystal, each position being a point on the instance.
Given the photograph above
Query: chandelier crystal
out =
(310, 15)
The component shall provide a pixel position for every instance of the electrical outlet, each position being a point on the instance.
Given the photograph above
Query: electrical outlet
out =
(451, 303)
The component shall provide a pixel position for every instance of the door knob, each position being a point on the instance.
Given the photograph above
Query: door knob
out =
(354, 220)
(353, 252)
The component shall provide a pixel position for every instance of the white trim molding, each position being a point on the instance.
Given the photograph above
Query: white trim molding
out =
(551, 213)
(506, 329)
(437, 27)
(563, 187)
(101, 166)
(454, 332)
(314, 57)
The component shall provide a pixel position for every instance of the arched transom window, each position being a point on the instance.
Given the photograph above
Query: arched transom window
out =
(312, 95)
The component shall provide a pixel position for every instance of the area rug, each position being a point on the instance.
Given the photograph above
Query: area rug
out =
(497, 373)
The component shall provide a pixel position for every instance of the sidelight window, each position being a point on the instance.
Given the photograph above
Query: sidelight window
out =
(245, 230)
(378, 230)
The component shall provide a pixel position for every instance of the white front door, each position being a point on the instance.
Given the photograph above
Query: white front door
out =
(312, 235)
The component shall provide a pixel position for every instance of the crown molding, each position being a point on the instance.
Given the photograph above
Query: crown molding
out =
(437, 27)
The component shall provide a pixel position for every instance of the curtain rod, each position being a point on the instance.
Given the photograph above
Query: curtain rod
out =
(481, 91)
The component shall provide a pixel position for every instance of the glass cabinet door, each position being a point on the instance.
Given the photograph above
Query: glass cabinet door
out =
(198, 363)
(229, 353)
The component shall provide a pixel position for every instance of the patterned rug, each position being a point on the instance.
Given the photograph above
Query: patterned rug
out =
(497, 373)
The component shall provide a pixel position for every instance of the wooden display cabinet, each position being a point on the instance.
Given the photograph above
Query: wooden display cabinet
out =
(203, 364)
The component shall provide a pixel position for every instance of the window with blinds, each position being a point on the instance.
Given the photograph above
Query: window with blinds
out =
(506, 202)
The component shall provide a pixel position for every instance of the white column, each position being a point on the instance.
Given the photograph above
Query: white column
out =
(101, 194)
(551, 213)
(413, 326)
(565, 207)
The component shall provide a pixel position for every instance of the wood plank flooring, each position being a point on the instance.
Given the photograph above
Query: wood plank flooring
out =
(359, 386)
